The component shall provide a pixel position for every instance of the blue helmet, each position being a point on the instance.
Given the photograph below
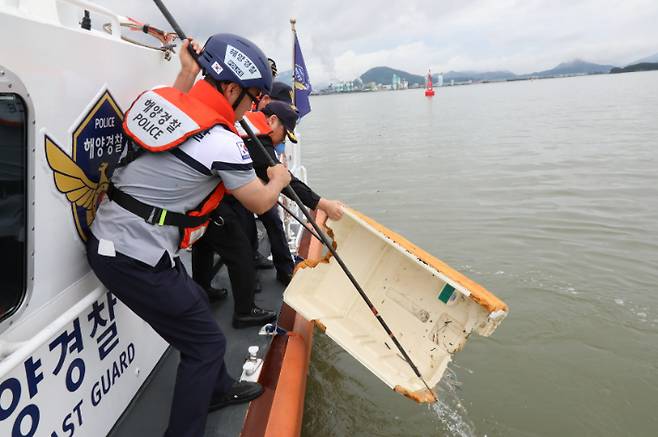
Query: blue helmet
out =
(228, 57)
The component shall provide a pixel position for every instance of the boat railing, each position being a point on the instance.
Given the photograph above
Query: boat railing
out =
(292, 227)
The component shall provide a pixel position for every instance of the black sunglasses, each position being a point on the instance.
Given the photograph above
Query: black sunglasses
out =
(255, 99)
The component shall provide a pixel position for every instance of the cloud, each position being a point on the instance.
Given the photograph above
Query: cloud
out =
(343, 38)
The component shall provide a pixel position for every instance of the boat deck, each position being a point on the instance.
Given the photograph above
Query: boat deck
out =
(148, 414)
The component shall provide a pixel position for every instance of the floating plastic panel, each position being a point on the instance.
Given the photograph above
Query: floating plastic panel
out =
(431, 308)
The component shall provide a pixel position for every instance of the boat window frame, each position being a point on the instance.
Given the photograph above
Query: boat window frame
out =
(10, 84)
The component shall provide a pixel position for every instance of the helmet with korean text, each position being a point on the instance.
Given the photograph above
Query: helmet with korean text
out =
(232, 58)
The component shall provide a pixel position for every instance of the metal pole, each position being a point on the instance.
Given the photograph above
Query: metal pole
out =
(293, 21)
(170, 19)
(300, 221)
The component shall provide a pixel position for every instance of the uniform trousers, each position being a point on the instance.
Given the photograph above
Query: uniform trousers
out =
(281, 256)
(227, 235)
(177, 308)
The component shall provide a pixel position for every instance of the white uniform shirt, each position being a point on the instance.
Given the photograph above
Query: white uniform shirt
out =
(177, 180)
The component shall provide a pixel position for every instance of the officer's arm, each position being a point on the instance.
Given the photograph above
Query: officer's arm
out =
(260, 198)
(312, 200)
(189, 68)
(333, 208)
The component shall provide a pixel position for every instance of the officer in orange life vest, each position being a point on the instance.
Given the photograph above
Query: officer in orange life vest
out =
(227, 225)
(160, 201)
(282, 259)
(230, 233)
(232, 240)
(281, 119)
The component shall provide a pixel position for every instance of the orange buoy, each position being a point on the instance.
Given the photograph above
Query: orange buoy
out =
(429, 90)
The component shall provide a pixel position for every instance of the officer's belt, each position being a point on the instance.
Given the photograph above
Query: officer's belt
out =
(153, 214)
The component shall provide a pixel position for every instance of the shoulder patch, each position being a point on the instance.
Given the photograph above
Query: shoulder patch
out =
(243, 150)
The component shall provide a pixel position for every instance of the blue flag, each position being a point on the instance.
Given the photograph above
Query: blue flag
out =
(301, 82)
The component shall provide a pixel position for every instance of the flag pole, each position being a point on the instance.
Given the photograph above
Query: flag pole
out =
(293, 21)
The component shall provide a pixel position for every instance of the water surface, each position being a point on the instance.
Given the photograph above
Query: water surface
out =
(545, 192)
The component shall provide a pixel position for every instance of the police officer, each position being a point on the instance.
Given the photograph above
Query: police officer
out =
(281, 119)
(229, 234)
(159, 203)
(281, 256)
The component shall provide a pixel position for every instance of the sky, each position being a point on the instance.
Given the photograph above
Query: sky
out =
(342, 39)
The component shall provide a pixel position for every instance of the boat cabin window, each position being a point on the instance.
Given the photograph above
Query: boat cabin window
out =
(13, 203)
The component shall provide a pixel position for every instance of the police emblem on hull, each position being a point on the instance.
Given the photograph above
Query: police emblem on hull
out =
(97, 144)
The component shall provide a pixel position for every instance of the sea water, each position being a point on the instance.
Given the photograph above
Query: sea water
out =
(546, 193)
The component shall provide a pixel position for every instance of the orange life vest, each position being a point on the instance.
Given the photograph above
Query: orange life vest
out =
(162, 119)
(257, 121)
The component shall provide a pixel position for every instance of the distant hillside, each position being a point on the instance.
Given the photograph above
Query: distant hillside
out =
(643, 66)
(566, 68)
(574, 67)
(462, 76)
(649, 59)
(384, 75)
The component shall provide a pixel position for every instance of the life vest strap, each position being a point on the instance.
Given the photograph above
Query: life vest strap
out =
(152, 214)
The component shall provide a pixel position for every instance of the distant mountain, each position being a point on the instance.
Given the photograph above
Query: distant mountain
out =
(651, 59)
(463, 76)
(642, 66)
(566, 68)
(577, 66)
(384, 75)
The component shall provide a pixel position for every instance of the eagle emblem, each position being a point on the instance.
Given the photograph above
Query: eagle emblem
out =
(72, 181)
(97, 144)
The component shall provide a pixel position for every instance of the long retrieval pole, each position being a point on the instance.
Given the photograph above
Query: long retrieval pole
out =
(325, 240)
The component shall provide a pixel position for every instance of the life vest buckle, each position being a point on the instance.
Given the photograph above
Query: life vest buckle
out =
(157, 216)
(218, 221)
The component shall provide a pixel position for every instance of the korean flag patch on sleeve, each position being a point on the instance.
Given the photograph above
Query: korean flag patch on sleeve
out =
(243, 150)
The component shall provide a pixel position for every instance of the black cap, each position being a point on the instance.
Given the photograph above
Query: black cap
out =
(286, 113)
(281, 92)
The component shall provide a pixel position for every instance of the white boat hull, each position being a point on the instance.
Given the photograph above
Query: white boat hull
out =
(61, 72)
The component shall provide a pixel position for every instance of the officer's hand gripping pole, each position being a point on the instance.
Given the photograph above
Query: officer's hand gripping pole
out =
(289, 192)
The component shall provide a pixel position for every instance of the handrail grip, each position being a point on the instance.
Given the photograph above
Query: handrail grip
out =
(29, 346)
